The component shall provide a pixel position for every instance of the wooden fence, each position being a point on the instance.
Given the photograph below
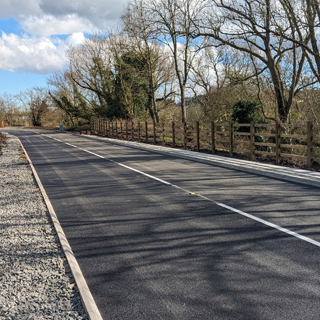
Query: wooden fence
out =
(275, 140)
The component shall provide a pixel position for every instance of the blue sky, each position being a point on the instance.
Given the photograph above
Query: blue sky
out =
(35, 35)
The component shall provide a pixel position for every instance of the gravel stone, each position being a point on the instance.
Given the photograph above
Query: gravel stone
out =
(35, 278)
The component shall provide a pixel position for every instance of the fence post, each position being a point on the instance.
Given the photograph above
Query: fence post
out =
(127, 130)
(184, 135)
(154, 133)
(163, 133)
(252, 141)
(173, 135)
(198, 135)
(132, 131)
(231, 138)
(309, 144)
(139, 136)
(213, 140)
(147, 132)
(278, 148)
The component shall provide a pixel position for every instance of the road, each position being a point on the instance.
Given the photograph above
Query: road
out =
(158, 237)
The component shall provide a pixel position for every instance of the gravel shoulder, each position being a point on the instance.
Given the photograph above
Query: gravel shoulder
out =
(35, 279)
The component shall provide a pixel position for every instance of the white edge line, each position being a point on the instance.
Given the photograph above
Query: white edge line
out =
(85, 293)
(125, 166)
(245, 167)
(143, 173)
(69, 144)
(95, 154)
(270, 224)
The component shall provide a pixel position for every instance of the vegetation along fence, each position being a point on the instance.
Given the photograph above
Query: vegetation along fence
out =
(275, 140)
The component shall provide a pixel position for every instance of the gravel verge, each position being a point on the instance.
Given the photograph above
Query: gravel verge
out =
(3, 139)
(35, 279)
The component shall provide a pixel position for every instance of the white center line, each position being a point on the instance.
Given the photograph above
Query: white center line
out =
(269, 224)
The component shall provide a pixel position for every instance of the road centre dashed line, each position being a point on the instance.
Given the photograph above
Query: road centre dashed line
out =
(252, 217)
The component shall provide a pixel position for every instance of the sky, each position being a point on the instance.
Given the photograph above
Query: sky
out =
(35, 34)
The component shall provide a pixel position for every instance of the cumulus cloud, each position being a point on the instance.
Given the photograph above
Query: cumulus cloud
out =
(76, 15)
(38, 47)
(49, 25)
(13, 8)
(98, 12)
(40, 55)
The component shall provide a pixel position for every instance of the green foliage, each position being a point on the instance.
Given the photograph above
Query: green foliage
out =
(38, 109)
(132, 83)
(106, 91)
(78, 108)
(246, 111)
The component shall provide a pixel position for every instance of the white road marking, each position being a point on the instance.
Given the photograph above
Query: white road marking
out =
(95, 154)
(71, 145)
(270, 224)
(141, 172)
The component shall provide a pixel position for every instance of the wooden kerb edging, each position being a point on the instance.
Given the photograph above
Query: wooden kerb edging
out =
(85, 294)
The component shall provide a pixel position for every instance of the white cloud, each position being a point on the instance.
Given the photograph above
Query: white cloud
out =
(48, 25)
(40, 55)
(98, 12)
(13, 8)
(47, 17)
(75, 38)
(40, 50)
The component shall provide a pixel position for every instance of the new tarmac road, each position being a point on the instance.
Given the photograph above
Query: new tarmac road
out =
(159, 237)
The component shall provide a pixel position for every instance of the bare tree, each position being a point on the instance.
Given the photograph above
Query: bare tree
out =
(92, 68)
(172, 24)
(249, 26)
(220, 77)
(72, 99)
(159, 67)
(303, 16)
(36, 102)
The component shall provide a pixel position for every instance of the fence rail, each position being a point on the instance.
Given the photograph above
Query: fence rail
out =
(272, 140)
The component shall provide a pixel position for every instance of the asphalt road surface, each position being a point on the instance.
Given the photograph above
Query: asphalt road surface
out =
(158, 237)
